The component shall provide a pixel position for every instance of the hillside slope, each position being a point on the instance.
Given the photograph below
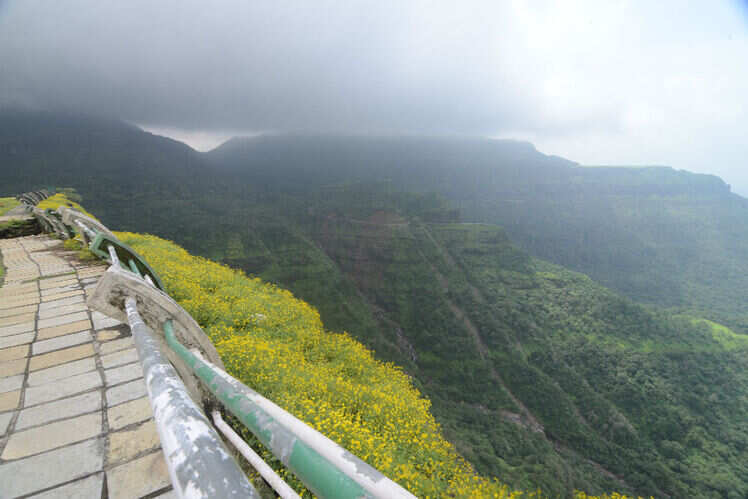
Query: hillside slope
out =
(657, 235)
(504, 342)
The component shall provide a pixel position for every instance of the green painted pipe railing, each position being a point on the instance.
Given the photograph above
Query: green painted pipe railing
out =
(318, 474)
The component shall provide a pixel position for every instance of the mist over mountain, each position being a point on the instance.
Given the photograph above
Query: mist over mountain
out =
(638, 230)
(441, 254)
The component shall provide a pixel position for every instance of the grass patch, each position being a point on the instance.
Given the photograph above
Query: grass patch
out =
(7, 204)
(726, 337)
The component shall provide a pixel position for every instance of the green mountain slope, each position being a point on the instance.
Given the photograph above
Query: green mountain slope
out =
(505, 344)
(539, 375)
(657, 235)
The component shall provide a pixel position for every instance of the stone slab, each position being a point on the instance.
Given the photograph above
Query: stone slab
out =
(40, 472)
(8, 295)
(59, 320)
(12, 367)
(116, 345)
(14, 293)
(11, 383)
(13, 297)
(44, 438)
(60, 357)
(123, 393)
(16, 339)
(19, 302)
(60, 289)
(30, 297)
(59, 409)
(72, 327)
(90, 273)
(129, 413)
(4, 422)
(125, 445)
(16, 289)
(12, 353)
(63, 310)
(87, 487)
(59, 278)
(119, 358)
(16, 319)
(105, 322)
(68, 340)
(49, 305)
(108, 334)
(62, 388)
(63, 371)
(120, 374)
(9, 400)
(26, 309)
(137, 478)
(23, 327)
(58, 296)
(19, 289)
(57, 282)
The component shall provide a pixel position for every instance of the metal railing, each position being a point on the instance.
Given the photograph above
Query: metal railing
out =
(33, 198)
(183, 371)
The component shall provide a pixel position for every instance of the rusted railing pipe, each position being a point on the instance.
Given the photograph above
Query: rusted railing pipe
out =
(199, 464)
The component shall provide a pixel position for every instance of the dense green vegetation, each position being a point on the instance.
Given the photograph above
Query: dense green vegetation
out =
(539, 375)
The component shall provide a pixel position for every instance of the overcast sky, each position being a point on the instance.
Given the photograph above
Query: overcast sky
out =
(598, 82)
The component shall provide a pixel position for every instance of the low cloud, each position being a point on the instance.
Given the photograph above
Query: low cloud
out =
(600, 82)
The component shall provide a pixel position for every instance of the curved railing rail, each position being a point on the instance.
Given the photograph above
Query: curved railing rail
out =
(32, 198)
(183, 373)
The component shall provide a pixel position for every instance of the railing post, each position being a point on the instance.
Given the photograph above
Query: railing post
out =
(199, 464)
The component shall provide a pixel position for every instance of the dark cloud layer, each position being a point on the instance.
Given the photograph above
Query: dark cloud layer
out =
(262, 65)
(599, 82)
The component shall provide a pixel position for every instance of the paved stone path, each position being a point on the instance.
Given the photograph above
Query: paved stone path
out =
(75, 420)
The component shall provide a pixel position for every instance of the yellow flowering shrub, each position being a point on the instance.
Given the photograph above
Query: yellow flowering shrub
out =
(277, 345)
(59, 199)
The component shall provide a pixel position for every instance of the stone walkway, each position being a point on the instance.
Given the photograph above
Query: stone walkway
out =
(75, 420)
